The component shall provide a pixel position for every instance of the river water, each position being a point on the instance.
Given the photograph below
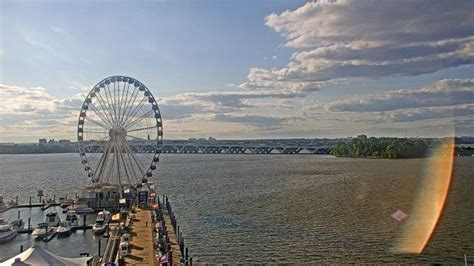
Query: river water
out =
(270, 208)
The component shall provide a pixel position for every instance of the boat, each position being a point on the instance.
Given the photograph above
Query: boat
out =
(3, 207)
(18, 224)
(40, 231)
(7, 232)
(101, 222)
(79, 209)
(52, 219)
(64, 229)
(72, 218)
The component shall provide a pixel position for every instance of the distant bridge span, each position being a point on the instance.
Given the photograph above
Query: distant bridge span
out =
(244, 149)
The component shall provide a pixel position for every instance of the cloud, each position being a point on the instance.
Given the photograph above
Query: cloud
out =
(442, 93)
(447, 98)
(418, 114)
(340, 40)
(31, 112)
(266, 122)
(187, 104)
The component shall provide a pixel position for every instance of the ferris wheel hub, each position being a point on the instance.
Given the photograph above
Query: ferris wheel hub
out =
(119, 132)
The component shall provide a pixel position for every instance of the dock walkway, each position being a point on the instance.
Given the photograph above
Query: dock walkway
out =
(176, 251)
(141, 244)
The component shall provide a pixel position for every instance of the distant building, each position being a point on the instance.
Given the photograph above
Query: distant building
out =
(64, 142)
(43, 141)
(362, 136)
(52, 142)
(211, 139)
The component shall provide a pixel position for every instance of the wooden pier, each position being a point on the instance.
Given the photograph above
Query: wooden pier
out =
(141, 250)
(175, 248)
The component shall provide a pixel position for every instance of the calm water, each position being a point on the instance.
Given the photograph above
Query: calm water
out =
(270, 208)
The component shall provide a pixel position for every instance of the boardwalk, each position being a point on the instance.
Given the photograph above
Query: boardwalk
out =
(141, 244)
(173, 240)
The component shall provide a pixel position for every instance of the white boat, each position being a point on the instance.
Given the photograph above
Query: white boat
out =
(40, 231)
(72, 218)
(83, 209)
(64, 229)
(101, 222)
(52, 219)
(7, 233)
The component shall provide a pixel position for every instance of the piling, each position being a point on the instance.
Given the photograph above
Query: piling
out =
(186, 254)
(84, 221)
(29, 222)
(18, 214)
(190, 261)
(21, 249)
(54, 197)
(30, 200)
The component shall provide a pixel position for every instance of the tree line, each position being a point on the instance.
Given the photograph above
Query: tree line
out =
(390, 148)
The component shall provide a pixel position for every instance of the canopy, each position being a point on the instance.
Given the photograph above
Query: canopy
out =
(40, 256)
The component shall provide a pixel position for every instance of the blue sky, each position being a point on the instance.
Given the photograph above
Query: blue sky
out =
(243, 69)
(175, 46)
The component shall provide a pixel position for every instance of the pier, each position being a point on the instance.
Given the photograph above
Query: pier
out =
(141, 244)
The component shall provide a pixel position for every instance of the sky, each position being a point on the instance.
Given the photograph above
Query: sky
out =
(244, 69)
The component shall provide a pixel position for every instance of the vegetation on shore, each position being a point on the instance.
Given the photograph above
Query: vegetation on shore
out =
(390, 148)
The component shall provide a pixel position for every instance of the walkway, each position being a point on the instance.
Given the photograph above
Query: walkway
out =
(141, 245)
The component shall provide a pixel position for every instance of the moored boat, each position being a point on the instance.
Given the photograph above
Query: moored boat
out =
(40, 231)
(64, 229)
(52, 219)
(101, 222)
(72, 218)
(7, 232)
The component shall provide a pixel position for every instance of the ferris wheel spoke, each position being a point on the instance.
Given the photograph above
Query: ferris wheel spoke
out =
(97, 123)
(124, 101)
(109, 105)
(105, 107)
(100, 115)
(143, 128)
(118, 163)
(136, 138)
(129, 104)
(134, 158)
(109, 93)
(115, 102)
(105, 122)
(126, 170)
(135, 110)
(121, 105)
(134, 122)
(102, 162)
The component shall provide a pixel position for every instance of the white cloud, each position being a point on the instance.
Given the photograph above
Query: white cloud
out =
(442, 93)
(368, 39)
(448, 98)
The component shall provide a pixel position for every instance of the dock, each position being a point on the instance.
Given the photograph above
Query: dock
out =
(141, 244)
(174, 245)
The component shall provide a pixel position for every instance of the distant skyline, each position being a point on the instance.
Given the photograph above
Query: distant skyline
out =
(244, 69)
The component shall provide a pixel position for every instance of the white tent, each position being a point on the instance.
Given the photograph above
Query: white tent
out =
(40, 256)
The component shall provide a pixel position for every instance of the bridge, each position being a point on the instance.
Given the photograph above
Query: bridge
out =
(243, 149)
(297, 146)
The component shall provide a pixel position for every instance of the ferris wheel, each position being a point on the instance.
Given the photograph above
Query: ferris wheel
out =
(120, 132)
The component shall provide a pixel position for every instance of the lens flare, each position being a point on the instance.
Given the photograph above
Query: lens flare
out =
(430, 203)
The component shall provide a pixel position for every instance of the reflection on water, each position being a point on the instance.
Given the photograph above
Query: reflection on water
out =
(275, 208)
